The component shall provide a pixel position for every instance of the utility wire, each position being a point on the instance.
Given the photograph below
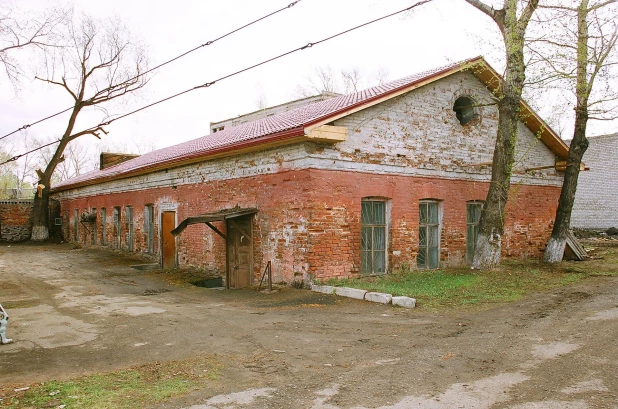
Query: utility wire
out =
(207, 43)
(209, 84)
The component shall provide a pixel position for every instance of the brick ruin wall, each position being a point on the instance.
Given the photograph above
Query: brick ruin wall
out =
(15, 220)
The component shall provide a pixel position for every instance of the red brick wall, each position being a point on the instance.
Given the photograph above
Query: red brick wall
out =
(15, 220)
(335, 215)
(308, 223)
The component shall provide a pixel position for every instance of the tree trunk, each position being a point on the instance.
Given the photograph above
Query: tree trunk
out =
(491, 226)
(555, 246)
(40, 207)
(554, 251)
(40, 214)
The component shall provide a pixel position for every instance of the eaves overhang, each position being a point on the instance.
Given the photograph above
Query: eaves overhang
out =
(252, 145)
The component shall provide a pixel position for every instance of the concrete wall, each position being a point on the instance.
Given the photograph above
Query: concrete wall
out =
(596, 206)
(15, 220)
(309, 195)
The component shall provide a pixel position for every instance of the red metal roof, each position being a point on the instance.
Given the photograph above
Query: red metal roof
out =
(282, 125)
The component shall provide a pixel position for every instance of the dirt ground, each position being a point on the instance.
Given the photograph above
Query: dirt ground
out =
(75, 312)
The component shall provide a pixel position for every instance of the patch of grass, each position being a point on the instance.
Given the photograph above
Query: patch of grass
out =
(136, 387)
(462, 287)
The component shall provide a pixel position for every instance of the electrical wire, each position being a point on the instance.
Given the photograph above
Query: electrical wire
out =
(211, 83)
(207, 43)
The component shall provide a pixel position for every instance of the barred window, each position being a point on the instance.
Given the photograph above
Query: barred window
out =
(373, 236)
(428, 235)
(473, 216)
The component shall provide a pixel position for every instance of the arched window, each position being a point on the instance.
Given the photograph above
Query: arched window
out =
(464, 110)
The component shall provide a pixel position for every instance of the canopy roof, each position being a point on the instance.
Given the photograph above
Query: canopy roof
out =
(215, 216)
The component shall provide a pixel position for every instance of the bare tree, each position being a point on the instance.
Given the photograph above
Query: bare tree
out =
(512, 20)
(381, 75)
(7, 176)
(577, 52)
(19, 32)
(261, 102)
(101, 64)
(351, 79)
(77, 160)
(27, 164)
(323, 79)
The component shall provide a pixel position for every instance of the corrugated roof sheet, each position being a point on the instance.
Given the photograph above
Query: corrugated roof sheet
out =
(295, 118)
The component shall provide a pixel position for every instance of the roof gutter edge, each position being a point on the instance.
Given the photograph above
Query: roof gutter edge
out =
(264, 142)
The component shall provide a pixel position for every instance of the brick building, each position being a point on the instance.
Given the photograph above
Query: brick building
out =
(366, 183)
(15, 219)
(595, 205)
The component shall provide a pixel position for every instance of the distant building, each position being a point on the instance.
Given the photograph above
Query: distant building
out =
(596, 206)
(385, 178)
(270, 111)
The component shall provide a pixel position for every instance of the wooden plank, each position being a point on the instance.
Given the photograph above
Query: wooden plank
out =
(240, 229)
(216, 230)
(216, 216)
(328, 133)
(577, 251)
(477, 164)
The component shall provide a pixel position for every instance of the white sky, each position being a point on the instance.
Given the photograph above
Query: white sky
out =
(435, 34)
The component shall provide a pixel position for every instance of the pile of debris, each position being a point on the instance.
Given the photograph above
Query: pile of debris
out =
(609, 234)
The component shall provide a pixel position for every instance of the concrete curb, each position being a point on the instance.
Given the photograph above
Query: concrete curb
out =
(350, 292)
(325, 289)
(382, 298)
(405, 302)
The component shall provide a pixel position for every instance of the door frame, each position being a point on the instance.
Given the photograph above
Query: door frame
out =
(229, 222)
(162, 208)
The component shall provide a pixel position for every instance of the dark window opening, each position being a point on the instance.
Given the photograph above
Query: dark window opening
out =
(149, 227)
(103, 226)
(464, 110)
(117, 227)
(128, 212)
(473, 216)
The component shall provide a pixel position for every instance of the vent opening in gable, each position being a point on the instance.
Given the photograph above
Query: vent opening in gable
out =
(464, 110)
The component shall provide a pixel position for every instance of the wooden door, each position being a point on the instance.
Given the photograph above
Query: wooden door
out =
(239, 252)
(168, 242)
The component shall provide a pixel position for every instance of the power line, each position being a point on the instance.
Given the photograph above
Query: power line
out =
(211, 83)
(207, 43)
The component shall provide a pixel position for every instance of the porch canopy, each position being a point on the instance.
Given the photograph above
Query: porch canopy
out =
(217, 216)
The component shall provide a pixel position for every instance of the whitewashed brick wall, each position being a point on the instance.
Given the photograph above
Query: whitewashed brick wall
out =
(416, 134)
(596, 204)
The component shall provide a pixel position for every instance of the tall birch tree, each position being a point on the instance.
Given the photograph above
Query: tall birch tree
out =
(576, 52)
(512, 20)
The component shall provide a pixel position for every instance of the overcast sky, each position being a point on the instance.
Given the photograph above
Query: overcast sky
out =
(433, 35)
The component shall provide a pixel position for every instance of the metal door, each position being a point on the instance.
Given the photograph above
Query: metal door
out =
(168, 242)
(239, 252)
